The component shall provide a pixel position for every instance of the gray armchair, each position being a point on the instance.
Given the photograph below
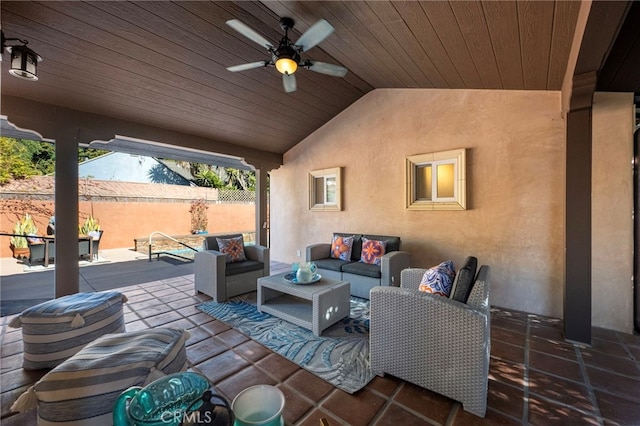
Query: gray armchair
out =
(221, 280)
(434, 342)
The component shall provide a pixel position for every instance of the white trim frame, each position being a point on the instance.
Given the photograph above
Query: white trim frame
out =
(458, 158)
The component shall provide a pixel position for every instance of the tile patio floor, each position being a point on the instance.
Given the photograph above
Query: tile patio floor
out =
(535, 376)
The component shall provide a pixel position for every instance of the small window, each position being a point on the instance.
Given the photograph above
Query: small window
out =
(324, 190)
(436, 181)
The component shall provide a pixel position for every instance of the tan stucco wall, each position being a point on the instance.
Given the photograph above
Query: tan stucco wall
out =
(612, 222)
(515, 190)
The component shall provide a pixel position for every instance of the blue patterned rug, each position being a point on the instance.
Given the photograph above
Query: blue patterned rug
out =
(340, 355)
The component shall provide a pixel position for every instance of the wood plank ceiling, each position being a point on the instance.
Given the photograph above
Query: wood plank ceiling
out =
(164, 63)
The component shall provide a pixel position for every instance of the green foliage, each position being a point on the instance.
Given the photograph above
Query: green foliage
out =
(209, 179)
(90, 224)
(89, 153)
(15, 160)
(42, 156)
(25, 226)
(240, 179)
(20, 158)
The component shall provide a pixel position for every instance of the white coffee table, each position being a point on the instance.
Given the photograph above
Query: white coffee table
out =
(312, 306)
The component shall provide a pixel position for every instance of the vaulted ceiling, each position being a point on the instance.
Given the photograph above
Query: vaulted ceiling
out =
(163, 64)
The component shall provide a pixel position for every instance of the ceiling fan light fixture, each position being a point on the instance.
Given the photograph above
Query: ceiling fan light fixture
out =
(286, 66)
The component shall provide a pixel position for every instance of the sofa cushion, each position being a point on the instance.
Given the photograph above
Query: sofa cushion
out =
(360, 268)
(372, 251)
(438, 279)
(233, 249)
(341, 247)
(331, 264)
(463, 283)
(83, 389)
(236, 268)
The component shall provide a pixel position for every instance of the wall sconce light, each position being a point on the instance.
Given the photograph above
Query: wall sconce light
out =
(24, 61)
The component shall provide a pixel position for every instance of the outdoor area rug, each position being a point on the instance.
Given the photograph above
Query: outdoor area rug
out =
(340, 355)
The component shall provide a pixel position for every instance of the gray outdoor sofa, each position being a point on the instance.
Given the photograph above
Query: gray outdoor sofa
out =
(362, 277)
(433, 341)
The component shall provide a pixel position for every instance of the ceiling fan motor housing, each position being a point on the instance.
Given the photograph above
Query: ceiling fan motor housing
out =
(287, 23)
(286, 51)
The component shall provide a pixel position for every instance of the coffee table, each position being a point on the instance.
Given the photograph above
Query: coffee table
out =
(312, 306)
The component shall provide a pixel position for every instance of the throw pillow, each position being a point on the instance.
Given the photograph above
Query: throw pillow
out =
(372, 251)
(438, 279)
(341, 247)
(233, 248)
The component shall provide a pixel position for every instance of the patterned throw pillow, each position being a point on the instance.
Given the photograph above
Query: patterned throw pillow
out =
(372, 251)
(341, 247)
(233, 248)
(438, 279)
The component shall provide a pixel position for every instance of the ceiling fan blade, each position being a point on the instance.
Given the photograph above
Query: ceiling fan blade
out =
(314, 35)
(249, 66)
(289, 82)
(329, 69)
(249, 33)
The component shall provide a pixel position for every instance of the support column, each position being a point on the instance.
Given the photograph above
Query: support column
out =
(262, 221)
(577, 287)
(67, 272)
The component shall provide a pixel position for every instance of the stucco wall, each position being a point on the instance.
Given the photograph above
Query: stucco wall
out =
(612, 222)
(124, 221)
(515, 190)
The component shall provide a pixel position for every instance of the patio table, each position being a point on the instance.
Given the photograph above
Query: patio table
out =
(314, 306)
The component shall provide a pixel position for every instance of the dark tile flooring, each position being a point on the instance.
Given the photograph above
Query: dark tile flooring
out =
(535, 376)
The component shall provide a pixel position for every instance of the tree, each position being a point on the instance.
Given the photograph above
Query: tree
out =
(15, 160)
(209, 179)
(20, 158)
(221, 177)
(240, 179)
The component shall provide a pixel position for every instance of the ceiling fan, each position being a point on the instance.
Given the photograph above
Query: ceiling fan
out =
(286, 56)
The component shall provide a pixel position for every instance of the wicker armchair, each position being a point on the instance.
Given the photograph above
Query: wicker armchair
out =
(431, 341)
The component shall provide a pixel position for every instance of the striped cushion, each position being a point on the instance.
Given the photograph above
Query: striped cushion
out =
(83, 389)
(55, 330)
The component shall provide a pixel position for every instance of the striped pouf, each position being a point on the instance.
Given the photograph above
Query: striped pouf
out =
(55, 330)
(83, 389)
